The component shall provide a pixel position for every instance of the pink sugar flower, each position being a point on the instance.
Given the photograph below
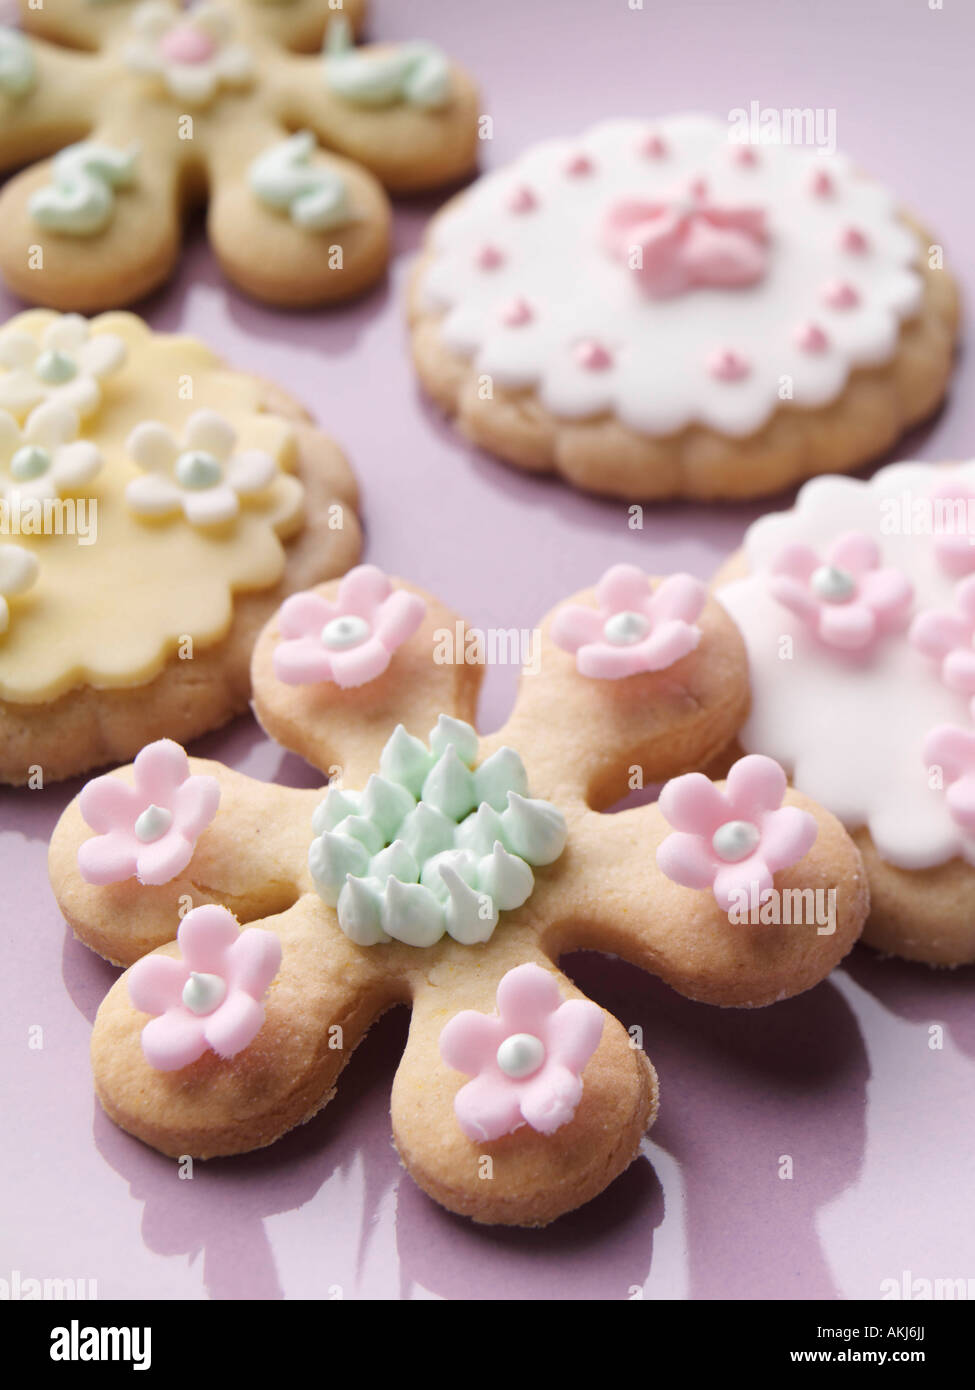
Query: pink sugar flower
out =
(526, 1060)
(149, 829)
(686, 240)
(953, 750)
(849, 599)
(211, 997)
(948, 635)
(351, 640)
(635, 628)
(954, 542)
(732, 841)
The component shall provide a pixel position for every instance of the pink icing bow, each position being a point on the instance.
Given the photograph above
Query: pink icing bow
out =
(848, 600)
(953, 750)
(635, 628)
(526, 1060)
(948, 636)
(351, 640)
(732, 841)
(212, 996)
(954, 547)
(149, 829)
(687, 240)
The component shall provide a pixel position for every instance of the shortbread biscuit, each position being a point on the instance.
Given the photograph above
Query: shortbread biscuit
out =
(652, 311)
(156, 507)
(147, 110)
(450, 872)
(857, 607)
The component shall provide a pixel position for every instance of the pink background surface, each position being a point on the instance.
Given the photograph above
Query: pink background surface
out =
(878, 1123)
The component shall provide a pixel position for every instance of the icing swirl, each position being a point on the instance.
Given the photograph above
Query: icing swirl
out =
(80, 199)
(284, 178)
(417, 73)
(18, 71)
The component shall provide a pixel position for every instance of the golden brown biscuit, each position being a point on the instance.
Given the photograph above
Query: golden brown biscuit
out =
(856, 610)
(653, 310)
(149, 110)
(130, 612)
(463, 912)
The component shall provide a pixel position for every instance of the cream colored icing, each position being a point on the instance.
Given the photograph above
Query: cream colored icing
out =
(113, 613)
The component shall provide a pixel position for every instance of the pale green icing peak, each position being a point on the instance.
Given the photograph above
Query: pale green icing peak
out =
(417, 73)
(433, 844)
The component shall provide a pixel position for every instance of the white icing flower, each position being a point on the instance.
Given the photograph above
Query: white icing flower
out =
(191, 51)
(45, 457)
(202, 476)
(18, 571)
(65, 366)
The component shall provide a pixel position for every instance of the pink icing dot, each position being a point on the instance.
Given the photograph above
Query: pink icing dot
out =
(820, 183)
(522, 200)
(840, 294)
(578, 166)
(811, 338)
(854, 240)
(744, 155)
(698, 189)
(728, 365)
(516, 313)
(593, 356)
(654, 147)
(186, 44)
(489, 257)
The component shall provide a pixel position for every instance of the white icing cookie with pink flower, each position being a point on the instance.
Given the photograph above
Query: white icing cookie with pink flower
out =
(654, 310)
(857, 608)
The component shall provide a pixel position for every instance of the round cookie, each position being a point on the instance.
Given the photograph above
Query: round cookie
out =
(156, 508)
(148, 110)
(451, 872)
(653, 310)
(856, 607)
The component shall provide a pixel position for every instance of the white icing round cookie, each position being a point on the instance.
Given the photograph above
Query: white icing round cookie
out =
(850, 727)
(663, 273)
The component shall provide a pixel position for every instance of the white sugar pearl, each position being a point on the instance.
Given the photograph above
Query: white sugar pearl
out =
(202, 993)
(735, 840)
(623, 629)
(344, 632)
(154, 822)
(833, 584)
(521, 1055)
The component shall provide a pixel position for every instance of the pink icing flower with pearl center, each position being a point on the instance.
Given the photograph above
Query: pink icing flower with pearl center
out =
(635, 628)
(211, 997)
(687, 240)
(953, 750)
(848, 599)
(526, 1060)
(732, 841)
(350, 641)
(149, 829)
(948, 635)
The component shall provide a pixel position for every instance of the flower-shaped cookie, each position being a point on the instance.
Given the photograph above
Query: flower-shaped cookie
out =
(733, 841)
(948, 636)
(527, 1059)
(212, 997)
(297, 135)
(635, 628)
(847, 597)
(64, 366)
(151, 828)
(45, 457)
(351, 640)
(200, 475)
(18, 573)
(452, 871)
(192, 51)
